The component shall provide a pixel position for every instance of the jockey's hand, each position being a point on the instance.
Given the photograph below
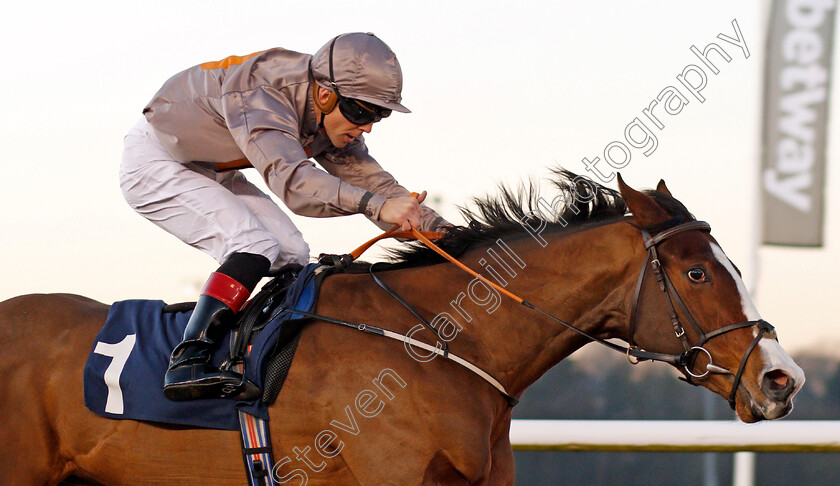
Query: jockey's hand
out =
(404, 211)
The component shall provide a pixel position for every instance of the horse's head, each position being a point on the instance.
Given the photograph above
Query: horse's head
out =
(724, 344)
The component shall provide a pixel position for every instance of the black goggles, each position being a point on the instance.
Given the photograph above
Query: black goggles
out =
(360, 112)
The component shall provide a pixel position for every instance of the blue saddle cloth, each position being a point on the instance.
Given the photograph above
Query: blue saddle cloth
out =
(123, 376)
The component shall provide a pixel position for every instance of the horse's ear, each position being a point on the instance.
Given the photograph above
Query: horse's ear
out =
(645, 210)
(661, 187)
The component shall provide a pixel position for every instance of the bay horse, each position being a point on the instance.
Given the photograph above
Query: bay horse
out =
(361, 410)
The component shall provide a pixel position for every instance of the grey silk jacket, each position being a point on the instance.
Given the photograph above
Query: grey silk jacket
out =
(257, 110)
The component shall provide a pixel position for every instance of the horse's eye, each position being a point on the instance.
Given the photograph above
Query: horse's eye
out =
(697, 275)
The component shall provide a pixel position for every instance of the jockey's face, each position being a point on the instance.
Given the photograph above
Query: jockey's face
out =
(340, 131)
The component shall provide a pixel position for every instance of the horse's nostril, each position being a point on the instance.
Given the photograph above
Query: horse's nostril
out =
(776, 379)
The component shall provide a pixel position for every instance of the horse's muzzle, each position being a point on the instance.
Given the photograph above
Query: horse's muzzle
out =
(778, 386)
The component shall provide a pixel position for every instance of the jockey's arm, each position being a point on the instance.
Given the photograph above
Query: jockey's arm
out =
(353, 164)
(306, 189)
(265, 126)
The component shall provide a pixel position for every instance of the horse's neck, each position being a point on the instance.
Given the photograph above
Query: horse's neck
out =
(581, 278)
(577, 277)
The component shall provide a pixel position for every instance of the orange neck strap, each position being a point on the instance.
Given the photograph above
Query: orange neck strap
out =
(420, 236)
(394, 233)
(426, 237)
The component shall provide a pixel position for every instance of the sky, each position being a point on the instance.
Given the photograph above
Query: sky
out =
(500, 92)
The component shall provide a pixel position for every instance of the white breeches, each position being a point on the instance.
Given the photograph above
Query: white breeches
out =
(220, 213)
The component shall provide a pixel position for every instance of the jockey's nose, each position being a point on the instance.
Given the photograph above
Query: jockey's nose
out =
(366, 128)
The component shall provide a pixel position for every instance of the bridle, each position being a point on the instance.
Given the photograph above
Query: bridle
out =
(687, 358)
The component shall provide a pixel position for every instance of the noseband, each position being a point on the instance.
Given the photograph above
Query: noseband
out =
(687, 358)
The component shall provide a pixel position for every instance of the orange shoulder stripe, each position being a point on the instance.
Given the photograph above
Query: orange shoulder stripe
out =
(229, 61)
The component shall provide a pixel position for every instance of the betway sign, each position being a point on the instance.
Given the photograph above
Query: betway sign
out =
(796, 110)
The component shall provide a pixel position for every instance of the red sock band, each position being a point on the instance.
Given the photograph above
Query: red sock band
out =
(227, 290)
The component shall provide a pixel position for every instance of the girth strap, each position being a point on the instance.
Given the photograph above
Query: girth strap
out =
(255, 441)
(256, 450)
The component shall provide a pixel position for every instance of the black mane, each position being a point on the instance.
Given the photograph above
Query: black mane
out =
(495, 217)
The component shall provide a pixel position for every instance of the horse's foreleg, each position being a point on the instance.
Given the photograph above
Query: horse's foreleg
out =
(27, 451)
(502, 471)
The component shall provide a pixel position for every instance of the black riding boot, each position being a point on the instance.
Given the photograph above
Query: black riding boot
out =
(190, 375)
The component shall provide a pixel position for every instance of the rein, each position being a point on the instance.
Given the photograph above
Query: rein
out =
(685, 359)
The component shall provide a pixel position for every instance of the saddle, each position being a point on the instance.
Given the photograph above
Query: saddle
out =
(252, 320)
(123, 375)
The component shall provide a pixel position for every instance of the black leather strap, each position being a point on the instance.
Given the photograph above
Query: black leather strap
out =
(634, 313)
(363, 202)
(763, 328)
(410, 308)
(664, 235)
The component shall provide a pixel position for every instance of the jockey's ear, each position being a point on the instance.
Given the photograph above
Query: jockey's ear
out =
(325, 100)
(645, 210)
(661, 187)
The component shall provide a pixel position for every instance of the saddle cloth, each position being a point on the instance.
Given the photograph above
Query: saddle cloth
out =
(123, 376)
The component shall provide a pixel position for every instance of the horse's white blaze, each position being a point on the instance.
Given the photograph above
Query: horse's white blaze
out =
(775, 358)
(750, 312)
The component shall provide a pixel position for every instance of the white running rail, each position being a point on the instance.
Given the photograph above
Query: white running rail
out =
(676, 435)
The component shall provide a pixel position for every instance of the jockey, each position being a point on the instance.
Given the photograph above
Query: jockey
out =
(272, 110)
